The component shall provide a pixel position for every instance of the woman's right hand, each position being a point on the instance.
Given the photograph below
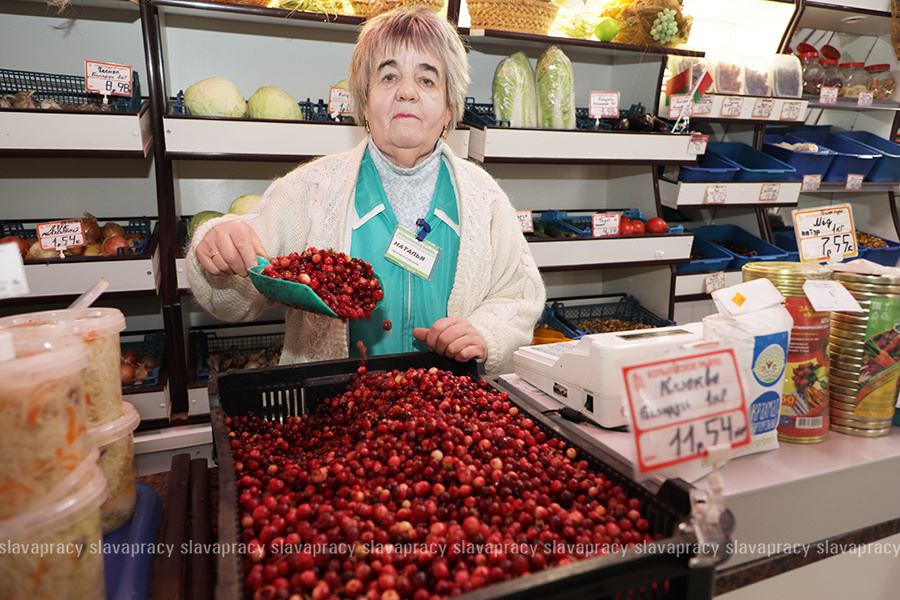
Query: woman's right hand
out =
(230, 249)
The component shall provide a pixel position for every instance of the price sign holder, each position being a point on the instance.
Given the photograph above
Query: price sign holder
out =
(769, 192)
(825, 234)
(681, 106)
(715, 194)
(811, 183)
(59, 235)
(605, 224)
(731, 106)
(107, 78)
(714, 281)
(865, 99)
(828, 95)
(526, 220)
(604, 104)
(790, 111)
(698, 143)
(339, 103)
(762, 108)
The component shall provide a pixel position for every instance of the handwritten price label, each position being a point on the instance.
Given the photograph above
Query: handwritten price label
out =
(731, 107)
(790, 111)
(681, 105)
(698, 143)
(680, 408)
(762, 108)
(828, 95)
(339, 102)
(854, 182)
(605, 224)
(768, 192)
(60, 235)
(107, 78)
(526, 221)
(715, 194)
(715, 281)
(825, 234)
(811, 183)
(703, 106)
(604, 104)
(865, 99)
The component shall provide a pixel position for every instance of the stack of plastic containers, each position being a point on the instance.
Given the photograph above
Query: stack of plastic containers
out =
(51, 488)
(109, 421)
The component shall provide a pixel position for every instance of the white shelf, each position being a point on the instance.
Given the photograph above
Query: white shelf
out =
(611, 251)
(745, 193)
(498, 144)
(150, 405)
(745, 108)
(62, 277)
(63, 132)
(692, 284)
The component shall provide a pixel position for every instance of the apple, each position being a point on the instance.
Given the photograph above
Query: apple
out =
(606, 29)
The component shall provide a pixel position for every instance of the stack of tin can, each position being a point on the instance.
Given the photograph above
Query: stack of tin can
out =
(864, 349)
(804, 414)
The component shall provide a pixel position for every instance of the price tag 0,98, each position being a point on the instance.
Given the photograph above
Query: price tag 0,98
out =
(107, 78)
(681, 407)
(60, 235)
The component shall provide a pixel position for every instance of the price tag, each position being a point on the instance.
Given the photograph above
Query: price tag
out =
(107, 78)
(811, 183)
(854, 182)
(827, 296)
(60, 235)
(681, 105)
(526, 221)
(604, 104)
(715, 194)
(681, 407)
(790, 111)
(762, 108)
(769, 192)
(698, 143)
(731, 106)
(715, 281)
(865, 99)
(825, 234)
(703, 106)
(828, 95)
(339, 102)
(605, 224)
(12, 272)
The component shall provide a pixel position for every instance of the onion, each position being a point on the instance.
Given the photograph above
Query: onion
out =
(112, 230)
(148, 362)
(127, 373)
(91, 229)
(112, 244)
(35, 252)
(134, 239)
(23, 245)
(130, 356)
(140, 373)
(95, 249)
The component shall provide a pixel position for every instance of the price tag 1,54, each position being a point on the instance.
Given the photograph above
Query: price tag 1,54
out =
(683, 406)
(60, 235)
(107, 78)
(825, 234)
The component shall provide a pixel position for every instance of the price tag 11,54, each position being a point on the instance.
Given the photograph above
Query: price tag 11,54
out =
(685, 405)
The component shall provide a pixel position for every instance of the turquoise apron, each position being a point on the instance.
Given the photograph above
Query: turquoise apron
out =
(409, 300)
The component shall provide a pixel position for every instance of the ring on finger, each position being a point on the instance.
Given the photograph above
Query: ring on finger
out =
(214, 254)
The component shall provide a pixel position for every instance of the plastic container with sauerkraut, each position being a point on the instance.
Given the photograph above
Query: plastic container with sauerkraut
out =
(99, 328)
(116, 443)
(42, 420)
(54, 552)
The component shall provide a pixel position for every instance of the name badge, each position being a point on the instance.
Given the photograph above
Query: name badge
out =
(405, 251)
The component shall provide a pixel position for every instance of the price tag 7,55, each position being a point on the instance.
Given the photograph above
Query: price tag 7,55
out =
(681, 407)
(825, 234)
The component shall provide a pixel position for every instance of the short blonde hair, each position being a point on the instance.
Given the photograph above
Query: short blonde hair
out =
(417, 27)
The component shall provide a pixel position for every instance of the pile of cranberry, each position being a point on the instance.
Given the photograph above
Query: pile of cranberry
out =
(346, 285)
(415, 484)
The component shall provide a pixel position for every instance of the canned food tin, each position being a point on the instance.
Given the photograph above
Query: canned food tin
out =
(838, 335)
(860, 320)
(856, 424)
(861, 432)
(835, 388)
(846, 329)
(848, 347)
(848, 416)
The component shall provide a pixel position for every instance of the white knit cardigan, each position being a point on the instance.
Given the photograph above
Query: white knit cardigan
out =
(307, 207)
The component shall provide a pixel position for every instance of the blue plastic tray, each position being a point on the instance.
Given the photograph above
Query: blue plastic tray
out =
(804, 163)
(732, 233)
(715, 258)
(139, 226)
(128, 574)
(624, 307)
(754, 165)
(851, 157)
(787, 241)
(207, 343)
(710, 167)
(153, 344)
(884, 256)
(67, 88)
(887, 168)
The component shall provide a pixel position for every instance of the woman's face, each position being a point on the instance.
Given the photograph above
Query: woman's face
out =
(407, 104)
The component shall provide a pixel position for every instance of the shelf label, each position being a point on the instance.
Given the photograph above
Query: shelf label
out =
(339, 103)
(698, 142)
(12, 272)
(811, 183)
(107, 78)
(681, 105)
(865, 99)
(606, 224)
(604, 104)
(731, 106)
(703, 106)
(769, 192)
(854, 182)
(526, 221)
(762, 108)
(828, 95)
(828, 296)
(714, 281)
(715, 194)
(825, 233)
(681, 407)
(790, 111)
(60, 235)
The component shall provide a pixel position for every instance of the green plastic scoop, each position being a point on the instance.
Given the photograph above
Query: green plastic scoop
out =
(290, 293)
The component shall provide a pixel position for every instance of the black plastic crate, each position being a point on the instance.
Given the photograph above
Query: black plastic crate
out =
(623, 307)
(28, 229)
(207, 344)
(67, 88)
(662, 571)
(311, 111)
(154, 345)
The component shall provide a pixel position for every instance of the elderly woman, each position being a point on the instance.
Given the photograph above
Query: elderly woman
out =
(482, 295)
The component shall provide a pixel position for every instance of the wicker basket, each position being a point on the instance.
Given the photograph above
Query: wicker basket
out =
(376, 7)
(525, 16)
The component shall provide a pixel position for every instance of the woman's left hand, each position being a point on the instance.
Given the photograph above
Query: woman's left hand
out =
(453, 337)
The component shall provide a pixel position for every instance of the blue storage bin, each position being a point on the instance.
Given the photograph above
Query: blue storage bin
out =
(852, 158)
(128, 574)
(804, 163)
(884, 256)
(622, 307)
(710, 167)
(715, 258)
(787, 241)
(887, 168)
(754, 165)
(732, 233)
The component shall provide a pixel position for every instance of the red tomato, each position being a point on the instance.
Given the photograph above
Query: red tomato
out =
(639, 227)
(626, 228)
(623, 219)
(657, 225)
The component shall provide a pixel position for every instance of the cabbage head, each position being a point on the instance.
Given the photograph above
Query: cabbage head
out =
(215, 97)
(271, 102)
(244, 204)
(513, 91)
(555, 84)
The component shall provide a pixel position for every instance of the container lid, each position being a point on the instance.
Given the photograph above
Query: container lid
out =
(116, 429)
(789, 271)
(70, 482)
(40, 360)
(805, 47)
(828, 62)
(878, 67)
(831, 52)
(93, 322)
(852, 64)
(862, 278)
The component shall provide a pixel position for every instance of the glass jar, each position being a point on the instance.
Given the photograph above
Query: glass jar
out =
(882, 81)
(856, 79)
(831, 75)
(812, 73)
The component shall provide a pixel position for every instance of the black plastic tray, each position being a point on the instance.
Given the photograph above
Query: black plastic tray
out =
(289, 390)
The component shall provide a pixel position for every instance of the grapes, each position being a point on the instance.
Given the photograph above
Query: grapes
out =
(664, 27)
(348, 286)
